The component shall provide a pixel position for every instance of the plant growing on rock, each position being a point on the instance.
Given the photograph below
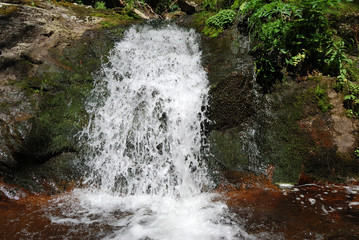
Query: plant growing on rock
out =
(289, 37)
(356, 152)
(100, 5)
(209, 5)
(322, 99)
(217, 23)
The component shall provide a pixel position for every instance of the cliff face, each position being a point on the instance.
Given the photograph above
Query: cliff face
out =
(298, 132)
(49, 57)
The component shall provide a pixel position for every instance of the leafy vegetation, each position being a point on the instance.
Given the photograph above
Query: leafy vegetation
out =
(100, 5)
(322, 99)
(42, 87)
(356, 152)
(290, 37)
(217, 23)
(222, 19)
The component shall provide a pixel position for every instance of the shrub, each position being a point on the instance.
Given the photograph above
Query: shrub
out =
(322, 99)
(222, 19)
(100, 5)
(289, 37)
(217, 23)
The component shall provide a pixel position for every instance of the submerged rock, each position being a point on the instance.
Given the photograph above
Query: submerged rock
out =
(311, 211)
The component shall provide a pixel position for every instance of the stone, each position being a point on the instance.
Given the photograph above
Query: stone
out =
(173, 14)
(188, 6)
(45, 72)
(6, 159)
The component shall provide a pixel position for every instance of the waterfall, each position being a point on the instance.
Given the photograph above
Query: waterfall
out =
(145, 136)
(145, 149)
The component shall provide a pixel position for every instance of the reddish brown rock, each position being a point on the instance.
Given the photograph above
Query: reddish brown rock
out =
(319, 130)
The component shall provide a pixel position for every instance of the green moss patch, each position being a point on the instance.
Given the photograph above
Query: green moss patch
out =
(285, 144)
(56, 175)
(62, 89)
(226, 148)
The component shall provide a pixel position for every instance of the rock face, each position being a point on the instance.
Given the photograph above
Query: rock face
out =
(48, 59)
(15, 124)
(28, 34)
(282, 134)
(190, 6)
(233, 99)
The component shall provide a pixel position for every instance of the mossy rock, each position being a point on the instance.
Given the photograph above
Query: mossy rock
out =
(227, 149)
(293, 147)
(285, 145)
(56, 175)
(62, 90)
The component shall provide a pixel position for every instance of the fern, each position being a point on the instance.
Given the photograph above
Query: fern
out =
(217, 23)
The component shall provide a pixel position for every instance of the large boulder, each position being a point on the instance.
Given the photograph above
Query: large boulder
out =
(287, 133)
(49, 56)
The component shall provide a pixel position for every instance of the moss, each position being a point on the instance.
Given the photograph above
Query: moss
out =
(58, 174)
(328, 165)
(321, 97)
(6, 107)
(112, 19)
(293, 147)
(199, 19)
(212, 32)
(285, 144)
(109, 16)
(347, 7)
(353, 70)
(62, 116)
(226, 148)
(63, 91)
(80, 11)
(231, 101)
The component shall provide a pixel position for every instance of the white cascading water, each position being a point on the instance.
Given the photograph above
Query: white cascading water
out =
(145, 146)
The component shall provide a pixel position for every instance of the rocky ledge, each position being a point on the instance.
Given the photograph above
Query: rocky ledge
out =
(49, 55)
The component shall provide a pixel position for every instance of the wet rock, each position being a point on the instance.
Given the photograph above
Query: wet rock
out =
(344, 129)
(247, 181)
(353, 209)
(31, 59)
(232, 99)
(305, 179)
(173, 14)
(58, 174)
(15, 123)
(189, 6)
(285, 128)
(6, 158)
(48, 57)
(10, 192)
(319, 130)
